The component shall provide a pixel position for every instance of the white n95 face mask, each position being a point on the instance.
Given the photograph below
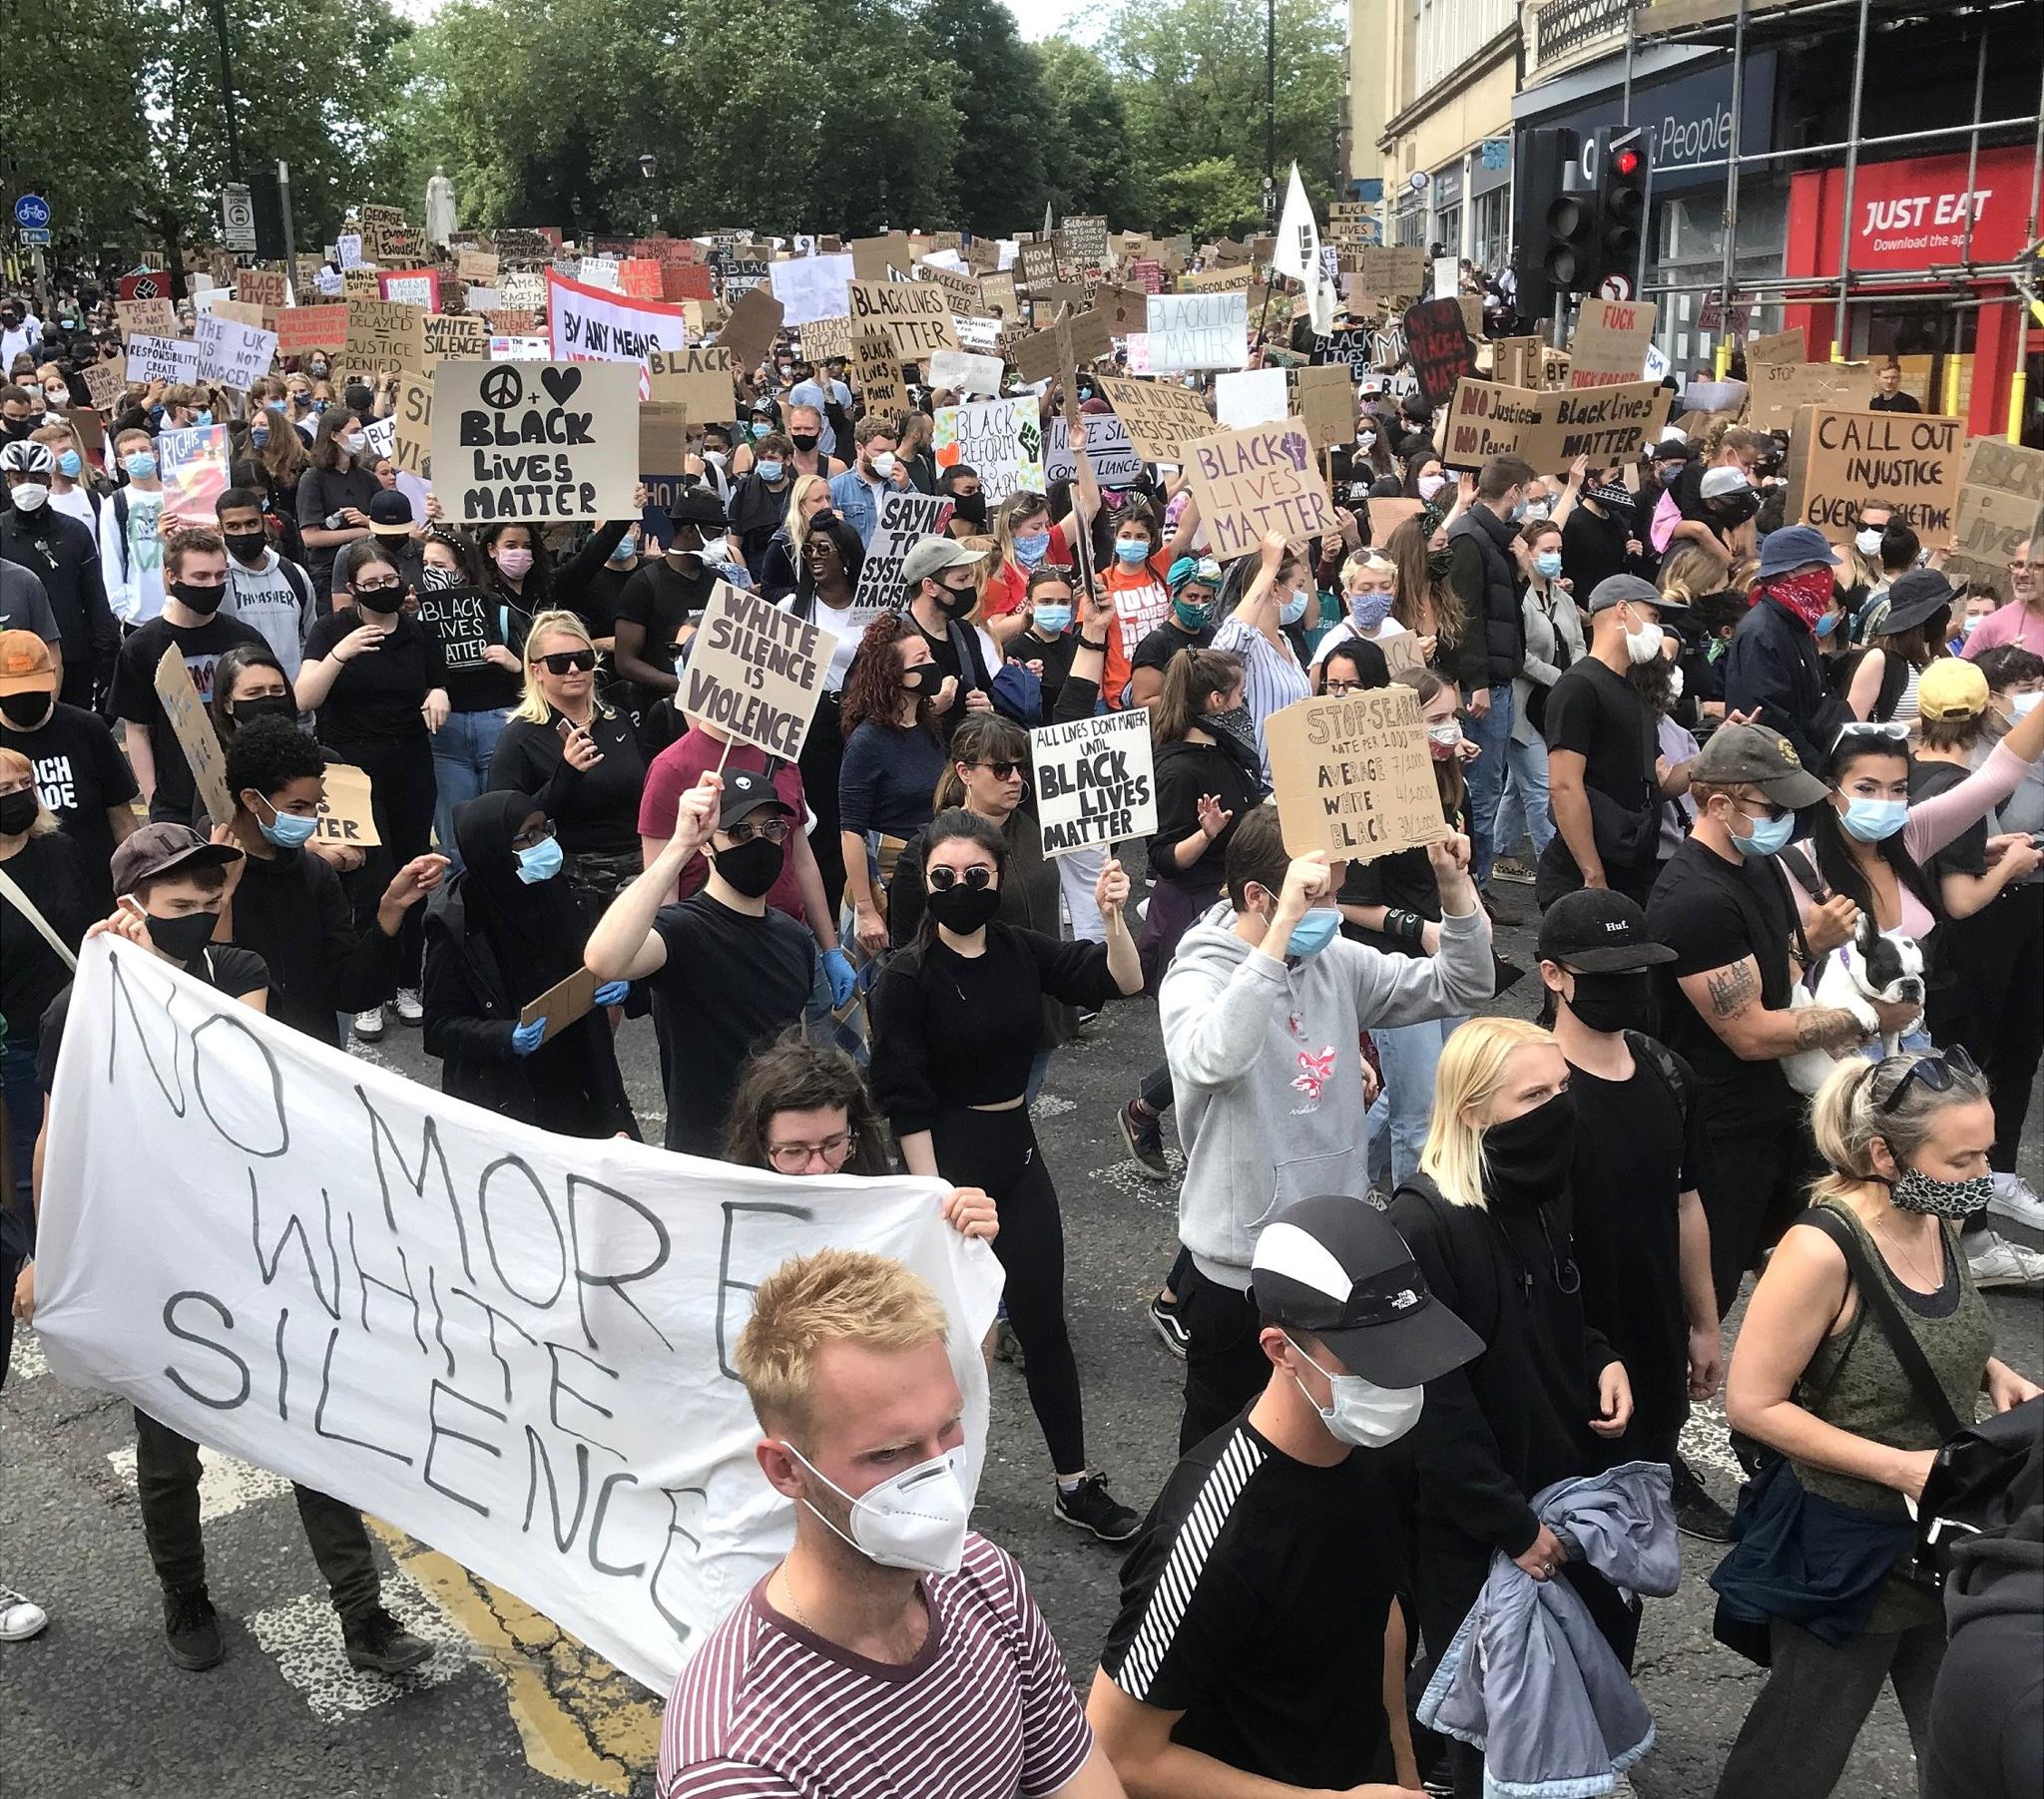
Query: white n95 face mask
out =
(914, 1520)
(1369, 1417)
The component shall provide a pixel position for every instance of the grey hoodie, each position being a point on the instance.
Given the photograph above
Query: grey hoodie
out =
(1267, 1067)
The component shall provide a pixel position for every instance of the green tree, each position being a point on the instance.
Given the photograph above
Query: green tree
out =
(999, 164)
(1088, 164)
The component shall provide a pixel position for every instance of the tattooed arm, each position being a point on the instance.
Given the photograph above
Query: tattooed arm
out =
(1729, 1000)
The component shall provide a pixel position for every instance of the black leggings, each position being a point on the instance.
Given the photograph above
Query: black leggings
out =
(402, 789)
(998, 1150)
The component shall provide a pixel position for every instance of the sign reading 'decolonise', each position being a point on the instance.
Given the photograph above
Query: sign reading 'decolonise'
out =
(1095, 780)
(1351, 775)
(514, 1345)
(1840, 461)
(535, 440)
(1261, 480)
(756, 672)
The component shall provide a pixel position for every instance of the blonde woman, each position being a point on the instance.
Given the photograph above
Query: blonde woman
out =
(808, 498)
(578, 759)
(1489, 1220)
(1815, 1378)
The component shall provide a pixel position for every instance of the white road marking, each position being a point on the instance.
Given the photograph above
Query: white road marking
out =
(1707, 1440)
(226, 1485)
(303, 1637)
(26, 1361)
(1127, 1178)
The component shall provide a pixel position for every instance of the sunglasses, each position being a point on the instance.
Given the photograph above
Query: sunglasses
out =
(1001, 771)
(1939, 1071)
(775, 830)
(565, 661)
(942, 880)
(1894, 731)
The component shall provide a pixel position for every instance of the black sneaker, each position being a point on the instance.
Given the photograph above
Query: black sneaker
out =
(1500, 913)
(1697, 1514)
(1164, 1316)
(1142, 1131)
(191, 1629)
(1092, 1508)
(378, 1644)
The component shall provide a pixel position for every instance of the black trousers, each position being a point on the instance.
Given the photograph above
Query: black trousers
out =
(1994, 964)
(402, 790)
(822, 751)
(1226, 1366)
(998, 1150)
(167, 1477)
(1759, 1179)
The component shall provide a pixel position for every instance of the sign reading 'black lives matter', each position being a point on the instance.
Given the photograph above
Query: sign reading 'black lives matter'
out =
(535, 440)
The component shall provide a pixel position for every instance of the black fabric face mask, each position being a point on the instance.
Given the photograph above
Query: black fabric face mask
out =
(181, 939)
(751, 867)
(924, 678)
(17, 811)
(804, 441)
(1614, 1001)
(26, 711)
(247, 545)
(206, 600)
(1527, 1159)
(263, 705)
(961, 908)
(970, 507)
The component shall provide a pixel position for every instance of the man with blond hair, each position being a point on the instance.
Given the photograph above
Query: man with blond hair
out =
(891, 1651)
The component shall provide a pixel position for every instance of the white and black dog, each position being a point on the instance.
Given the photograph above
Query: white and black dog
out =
(1875, 965)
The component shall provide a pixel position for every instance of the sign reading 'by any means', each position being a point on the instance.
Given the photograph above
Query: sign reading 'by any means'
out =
(535, 440)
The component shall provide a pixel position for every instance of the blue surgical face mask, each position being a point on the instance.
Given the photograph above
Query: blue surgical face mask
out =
(1548, 562)
(1131, 550)
(1053, 615)
(1313, 932)
(1872, 820)
(1826, 625)
(1293, 609)
(1769, 836)
(1031, 546)
(70, 464)
(625, 549)
(140, 466)
(204, 416)
(287, 830)
(540, 861)
(770, 469)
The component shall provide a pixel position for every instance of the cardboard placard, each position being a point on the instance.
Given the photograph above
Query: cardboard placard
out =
(478, 266)
(1386, 515)
(917, 314)
(1515, 362)
(386, 338)
(345, 814)
(104, 383)
(873, 257)
(1437, 343)
(1395, 274)
(1038, 264)
(1839, 459)
(193, 728)
(145, 318)
(238, 312)
(1218, 281)
(756, 672)
(1250, 482)
(1085, 241)
(877, 367)
(411, 442)
(385, 237)
(1781, 347)
(302, 330)
(414, 286)
(1115, 460)
(232, 355)
(905, 520)
(997, 295)
(167, 359)
(562, 1004)
(1610, 342)
(1162, 417)
(750, 331)
(1095, 781)
(1550, 430)
(1192, 331)
(825, 338)
(663, 438)
(536, 440)
(699, 380)
(1777, 391)
(960, 290)
(454, 335)
(261, 287)
(2001, 504)
(1041, 355)
(1325, 400)
(1351, 775)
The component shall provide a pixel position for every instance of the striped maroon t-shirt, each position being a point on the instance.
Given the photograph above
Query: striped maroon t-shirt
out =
(767, 1709)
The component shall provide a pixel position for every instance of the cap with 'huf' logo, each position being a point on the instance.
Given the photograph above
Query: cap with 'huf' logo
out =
(1594, 931)
(1337, 1268)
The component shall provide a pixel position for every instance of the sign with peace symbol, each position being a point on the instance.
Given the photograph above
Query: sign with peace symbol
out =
(535, 440)
(502, 387)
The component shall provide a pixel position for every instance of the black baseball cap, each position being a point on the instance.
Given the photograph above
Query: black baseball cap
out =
(390, 513)
(1337, 1268)
(745, 792)
(1594, 931)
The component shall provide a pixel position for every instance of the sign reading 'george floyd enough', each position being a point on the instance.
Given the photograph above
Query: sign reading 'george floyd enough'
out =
(756, 672)
(535, 440)
(516, 1346)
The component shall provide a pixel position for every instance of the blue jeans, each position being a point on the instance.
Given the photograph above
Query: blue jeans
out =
(1524, 810)
(1493, 735)
(462, 748)
(1396, 1126)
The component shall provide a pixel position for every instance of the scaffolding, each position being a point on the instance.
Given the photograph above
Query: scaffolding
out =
(1743, 26)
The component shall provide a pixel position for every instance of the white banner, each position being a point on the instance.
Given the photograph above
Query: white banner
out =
(515, 1346)
(590, 324)
(811, 287)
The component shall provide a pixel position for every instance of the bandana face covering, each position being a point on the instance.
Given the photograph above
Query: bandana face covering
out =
(1807, 594)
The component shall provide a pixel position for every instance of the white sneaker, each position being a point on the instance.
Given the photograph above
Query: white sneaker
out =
(19, 1618)
(369, 1024)
(1996, 1262)
(410, 1010)
(2016, 1201)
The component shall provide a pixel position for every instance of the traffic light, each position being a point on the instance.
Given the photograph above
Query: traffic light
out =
(1621, 171)
(1551, 223)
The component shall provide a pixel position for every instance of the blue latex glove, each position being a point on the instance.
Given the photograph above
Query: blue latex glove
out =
(526, 1037)
(837, 969)
(611, 993)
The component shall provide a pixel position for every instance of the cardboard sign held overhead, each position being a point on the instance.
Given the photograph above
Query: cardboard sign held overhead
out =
(1777, 391)
(1837, 460)
(878, 365)
(905, 520)
(193, 728)
(1351, 775)
(103, 382)
(1437, 341)
(917, 314)
(454, 335)
(411, 445)
(145, 318)
(301, 330)
(1252, 482)
(1550, 430)
(1095, 781)
(386, 338)
(699, 380)
(345, 814)
(1162, 417)
(2001, 505)
(1610, 342)
(750, 331)
(1396, 273)
(823, 339)
(535, 440)
(1325, 400)
(1192, 331)
(1782, 346)
(756, 672)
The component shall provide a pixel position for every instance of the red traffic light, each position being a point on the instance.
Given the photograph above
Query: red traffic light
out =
(1626, 161)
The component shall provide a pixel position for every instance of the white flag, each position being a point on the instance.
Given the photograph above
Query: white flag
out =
(1298, 254)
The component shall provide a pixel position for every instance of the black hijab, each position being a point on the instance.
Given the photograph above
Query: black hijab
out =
(535, 930)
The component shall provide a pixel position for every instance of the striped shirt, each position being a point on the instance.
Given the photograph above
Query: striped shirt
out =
(1271, 678)
(767, 1709)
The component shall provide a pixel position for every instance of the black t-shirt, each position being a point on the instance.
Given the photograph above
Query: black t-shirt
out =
(377, 694)
(1056, 657)
(1253, 1600)
(134, 696)
(1636, 1154)
(1160, 645)
(1893, 402)
(1602, 718)
(1713, 913)
(464, 621)
(596, 811)
(1947, 967)
(322, 494)
(730, 983)
(225, 967)
(1593, 548)
(46, 870)
(1185, 770)
(79, 773)
(662, 600)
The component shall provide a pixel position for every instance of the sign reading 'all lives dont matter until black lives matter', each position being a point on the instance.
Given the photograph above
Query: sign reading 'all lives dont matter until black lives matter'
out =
(535, 440)
(1095, 781)
(756, 672)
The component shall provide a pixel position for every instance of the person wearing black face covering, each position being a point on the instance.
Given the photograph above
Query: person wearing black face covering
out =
(1641, 1240)
(1489, 1220)
(727, 971)
(941, 580)
(194, 584)
(498, 935)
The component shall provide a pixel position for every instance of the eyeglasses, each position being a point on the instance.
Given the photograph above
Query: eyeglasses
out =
(1894, 731)
(793, 1159)
(380, 590)
(564, 661)
(1938, 1070)
(1001, 771)
(533, 835)
(1341, 687)
(976, 878)
(775, 830)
